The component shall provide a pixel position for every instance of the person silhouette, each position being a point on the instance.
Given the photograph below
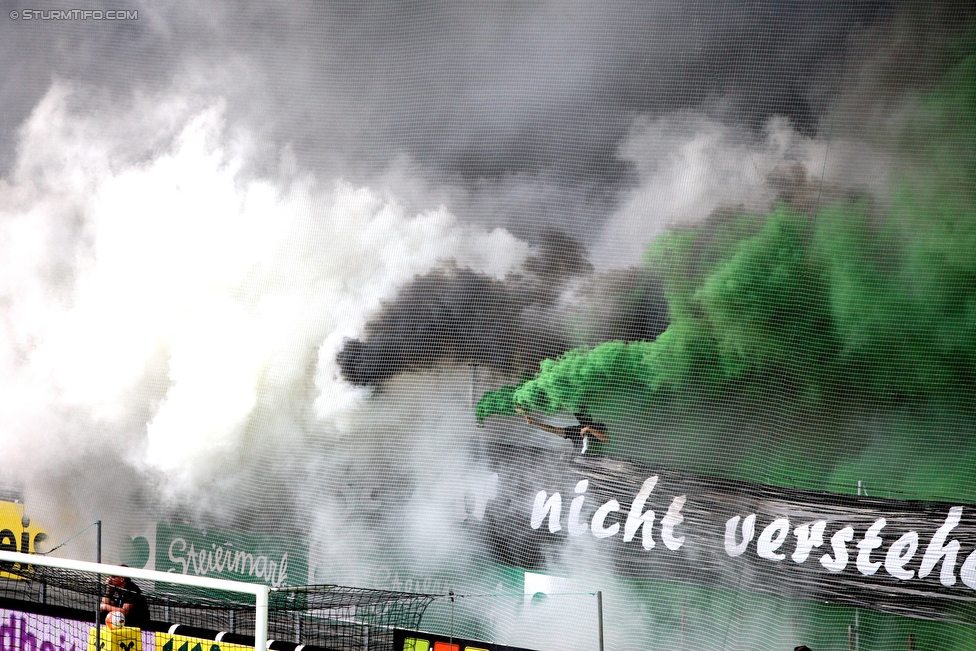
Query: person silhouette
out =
(577, 434)
(124, 596)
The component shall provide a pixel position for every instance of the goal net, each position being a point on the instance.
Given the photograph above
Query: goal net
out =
(49, 604)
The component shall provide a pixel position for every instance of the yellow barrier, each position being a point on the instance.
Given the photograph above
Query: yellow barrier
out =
(167, 642)
(115, 639)
(14, 536)
(130, 639)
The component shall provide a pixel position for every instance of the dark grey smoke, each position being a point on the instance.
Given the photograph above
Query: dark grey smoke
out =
(456, 315)
(460, 316)
(621, 305)
(514, 109)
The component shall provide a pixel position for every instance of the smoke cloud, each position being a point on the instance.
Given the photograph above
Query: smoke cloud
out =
(511, 113)
(161, 305)
(457, 316)
(844, 319)
(247, 255)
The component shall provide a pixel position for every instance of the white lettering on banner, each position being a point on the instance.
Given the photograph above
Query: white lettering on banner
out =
(767, 545)
(638, 516)
(771, 542)
(900, 552)
(577, 528)
(938, 550)
(596, 526)
(733, 548)
(426, 584)
(218, 558)
(808, 536)
(838, 543)
(968, 571)
(671, 520)
(553, 507)
(240, 558)
(870, 541)
(182, 562)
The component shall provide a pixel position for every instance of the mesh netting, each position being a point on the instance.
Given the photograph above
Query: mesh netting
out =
(327, 616)
(670, 301)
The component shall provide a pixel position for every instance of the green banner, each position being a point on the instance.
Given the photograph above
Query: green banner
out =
(274, 560)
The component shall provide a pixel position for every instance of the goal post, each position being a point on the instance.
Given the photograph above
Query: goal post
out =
(259, 591)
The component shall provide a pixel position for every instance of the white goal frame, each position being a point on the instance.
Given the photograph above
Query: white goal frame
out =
(260, 591)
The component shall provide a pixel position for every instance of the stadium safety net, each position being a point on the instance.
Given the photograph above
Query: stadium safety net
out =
(553, 324)
(319, 617)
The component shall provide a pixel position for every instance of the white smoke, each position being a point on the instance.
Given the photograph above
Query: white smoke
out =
(690, 165)
(169, 326)
(153, 294)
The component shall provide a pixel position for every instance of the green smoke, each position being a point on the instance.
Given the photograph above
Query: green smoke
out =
(810, 350)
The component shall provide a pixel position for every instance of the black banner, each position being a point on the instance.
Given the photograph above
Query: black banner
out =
(911, 558)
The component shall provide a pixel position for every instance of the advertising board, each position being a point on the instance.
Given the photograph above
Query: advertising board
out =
(22, 631)
(18, 533)
(278, 561)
